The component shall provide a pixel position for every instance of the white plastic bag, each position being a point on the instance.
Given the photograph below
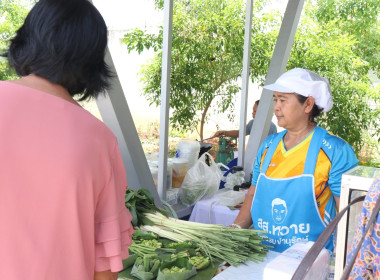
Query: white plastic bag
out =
(234, 179)
(201, 180)
(188, 149)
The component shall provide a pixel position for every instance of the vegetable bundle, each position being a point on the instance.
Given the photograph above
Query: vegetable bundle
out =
(221, 243)
(216, 242)
(145, 268)
(159, 258)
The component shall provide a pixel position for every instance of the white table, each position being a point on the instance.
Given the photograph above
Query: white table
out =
(210, 211)
(246, 271)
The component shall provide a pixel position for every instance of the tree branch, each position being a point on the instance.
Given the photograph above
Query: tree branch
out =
(204, 113)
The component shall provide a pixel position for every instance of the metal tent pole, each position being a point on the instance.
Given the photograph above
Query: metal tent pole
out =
(245, 80)
(277, 66)
(116, 115)
(165, 96)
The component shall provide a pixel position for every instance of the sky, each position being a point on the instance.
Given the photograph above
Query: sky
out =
(121, 16)
(124, 14)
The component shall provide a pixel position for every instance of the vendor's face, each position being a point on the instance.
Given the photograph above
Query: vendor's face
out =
(289, 111)
(254, 110)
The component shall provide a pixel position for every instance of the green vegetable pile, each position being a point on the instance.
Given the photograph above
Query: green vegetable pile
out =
(179, 269)
(165, 248)
(200, 262)
(160, 258)
(174, 269)
(145, 268)
(218, 242)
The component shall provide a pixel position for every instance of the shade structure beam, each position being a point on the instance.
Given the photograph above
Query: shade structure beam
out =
(277, 66)
(115, 113)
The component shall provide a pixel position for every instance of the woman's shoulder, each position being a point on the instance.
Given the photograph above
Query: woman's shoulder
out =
(268, 140)
(86, 121)
(76, 119)
(331, 141)
(335, 147)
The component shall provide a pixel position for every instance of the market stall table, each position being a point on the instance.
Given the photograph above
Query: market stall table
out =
(211, 211)
(246, 271)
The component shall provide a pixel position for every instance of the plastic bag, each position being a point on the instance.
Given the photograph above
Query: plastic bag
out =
(201, 180)
(188, 149)
(234, 179)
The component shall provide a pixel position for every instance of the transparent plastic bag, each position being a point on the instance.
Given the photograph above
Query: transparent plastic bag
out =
(234, 179)
(201, 180)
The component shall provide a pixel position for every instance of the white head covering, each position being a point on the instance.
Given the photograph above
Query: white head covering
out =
(306, 83)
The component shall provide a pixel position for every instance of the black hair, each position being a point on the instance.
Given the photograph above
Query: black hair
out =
(315, 112)
(63, 41)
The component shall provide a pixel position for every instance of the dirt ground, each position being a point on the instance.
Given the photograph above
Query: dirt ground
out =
(149, 134)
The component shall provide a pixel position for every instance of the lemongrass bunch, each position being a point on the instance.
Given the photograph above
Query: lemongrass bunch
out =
(221, 243)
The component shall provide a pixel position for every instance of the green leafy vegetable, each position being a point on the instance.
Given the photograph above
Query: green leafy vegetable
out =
(179, 269)
(143, 235)
(139, 202)
(200, 262)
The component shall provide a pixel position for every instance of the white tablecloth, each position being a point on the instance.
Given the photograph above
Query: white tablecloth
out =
(210, 211)
(246, 271)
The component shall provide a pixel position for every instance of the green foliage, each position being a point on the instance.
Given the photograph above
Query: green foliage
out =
(12, 15)
(359, 18)
(329, 43)
(139, 40)
(5, 72)
(370, 154)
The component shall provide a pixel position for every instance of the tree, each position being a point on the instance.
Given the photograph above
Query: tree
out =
(358, 18)
(207, 55)
(12, 15)
(339, 42)
(330, 40)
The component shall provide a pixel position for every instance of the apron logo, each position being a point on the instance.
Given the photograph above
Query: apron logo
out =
(279, 210)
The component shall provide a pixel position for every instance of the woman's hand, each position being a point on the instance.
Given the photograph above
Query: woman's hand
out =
(244, 219)
(226, 133)
(219, 133)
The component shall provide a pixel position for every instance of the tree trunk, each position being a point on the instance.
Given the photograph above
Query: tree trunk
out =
(204, 113)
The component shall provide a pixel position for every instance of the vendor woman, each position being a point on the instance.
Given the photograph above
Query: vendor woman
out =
(297, 173)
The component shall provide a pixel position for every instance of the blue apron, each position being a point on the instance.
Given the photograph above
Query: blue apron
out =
(286, 208)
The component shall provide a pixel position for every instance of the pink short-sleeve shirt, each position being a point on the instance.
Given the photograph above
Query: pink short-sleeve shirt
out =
(62, 186)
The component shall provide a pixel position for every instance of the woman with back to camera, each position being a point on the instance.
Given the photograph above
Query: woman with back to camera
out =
(63, 181)
(297, 173)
